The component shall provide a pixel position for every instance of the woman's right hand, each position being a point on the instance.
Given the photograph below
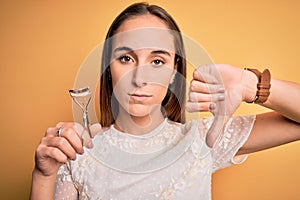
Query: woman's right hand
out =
(53, 150)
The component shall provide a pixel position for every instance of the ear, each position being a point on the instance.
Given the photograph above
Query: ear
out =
(174, 73)
(173, 77)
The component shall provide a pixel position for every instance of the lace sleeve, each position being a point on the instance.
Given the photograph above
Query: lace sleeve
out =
(65, 188)
(235, 134)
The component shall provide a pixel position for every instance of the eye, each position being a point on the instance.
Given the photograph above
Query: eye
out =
(158, 62)
(125, 59)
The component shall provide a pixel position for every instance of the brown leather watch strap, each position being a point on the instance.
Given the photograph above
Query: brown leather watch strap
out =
(263, 85)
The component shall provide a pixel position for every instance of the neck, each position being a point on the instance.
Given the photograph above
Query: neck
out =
(138, 125)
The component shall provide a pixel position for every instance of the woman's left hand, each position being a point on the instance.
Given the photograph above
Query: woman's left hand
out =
(220, 89)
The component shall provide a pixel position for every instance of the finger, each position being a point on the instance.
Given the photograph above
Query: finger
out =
(72, 132)
(51, 132)
(200, 107)
(61, 144)
(198, 86)
(208, 74)
(200, 97)
(96, 128)
(206, 78)
(72, 137)
(44, 151)
(85, 136)
(74, 125)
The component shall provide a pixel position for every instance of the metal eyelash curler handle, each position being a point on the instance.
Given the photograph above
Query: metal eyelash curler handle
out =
(82, 98)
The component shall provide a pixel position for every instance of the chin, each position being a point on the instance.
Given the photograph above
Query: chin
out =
(142, 110)
(139, 110)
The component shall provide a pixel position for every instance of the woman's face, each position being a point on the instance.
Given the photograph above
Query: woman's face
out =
(142, 64)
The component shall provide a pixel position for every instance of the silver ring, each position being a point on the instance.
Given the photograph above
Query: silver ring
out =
(58, 132)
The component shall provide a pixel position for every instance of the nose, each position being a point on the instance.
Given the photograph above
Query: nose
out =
(139, 76)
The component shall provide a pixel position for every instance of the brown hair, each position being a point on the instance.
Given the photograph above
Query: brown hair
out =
(174, 102)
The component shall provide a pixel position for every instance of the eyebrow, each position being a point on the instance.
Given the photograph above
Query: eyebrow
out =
(161, 52)
(128, 49)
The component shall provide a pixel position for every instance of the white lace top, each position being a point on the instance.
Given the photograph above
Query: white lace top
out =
(171, 162)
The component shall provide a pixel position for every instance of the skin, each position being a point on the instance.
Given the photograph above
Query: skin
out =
(139, 99)
(139, 115)
(271, 129)
(141, 75)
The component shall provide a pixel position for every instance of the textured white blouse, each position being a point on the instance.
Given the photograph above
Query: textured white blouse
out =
(171, 162)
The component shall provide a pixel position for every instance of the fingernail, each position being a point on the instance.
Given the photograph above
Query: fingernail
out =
(221, 90)
(221, 97)
(74, 158)
(82, 151)
(90, 145)
(212, 106)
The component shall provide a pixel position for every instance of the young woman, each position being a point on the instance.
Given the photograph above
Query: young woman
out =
(144, 149)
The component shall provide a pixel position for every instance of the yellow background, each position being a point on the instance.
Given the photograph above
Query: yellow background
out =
(43, 44)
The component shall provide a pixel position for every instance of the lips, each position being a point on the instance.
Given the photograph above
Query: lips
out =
(139, 97)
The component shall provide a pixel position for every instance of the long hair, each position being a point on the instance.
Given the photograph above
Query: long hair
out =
(174, 101)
